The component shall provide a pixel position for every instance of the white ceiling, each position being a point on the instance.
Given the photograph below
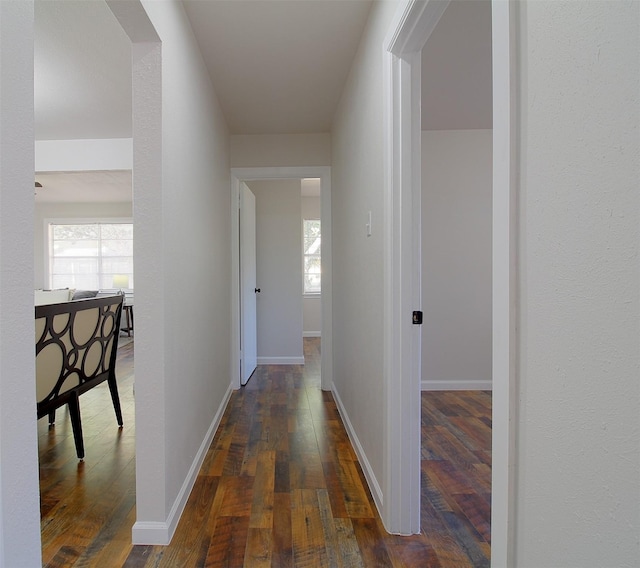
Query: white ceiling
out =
(112, 186)
(277, 67)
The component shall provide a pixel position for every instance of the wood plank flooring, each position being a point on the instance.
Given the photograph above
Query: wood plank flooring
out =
(280, 485)
(456, 476)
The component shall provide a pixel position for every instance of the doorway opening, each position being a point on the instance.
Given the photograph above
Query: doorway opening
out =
(412, 27)
(280, 271)
(312, 258)
(456, 265)
(145, 62)
(84, 243)
(254, 178)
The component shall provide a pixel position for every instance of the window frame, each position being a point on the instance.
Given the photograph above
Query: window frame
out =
(305, 293)
(47, 280)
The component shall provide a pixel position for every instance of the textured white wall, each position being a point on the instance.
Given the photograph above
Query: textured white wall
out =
(19, 491)
(456, 259)
(44, 211)
(84, 155)
(358, 184)
(311, 306)
(578, 431)
(191, 250)
(278, 269)
(266, 150)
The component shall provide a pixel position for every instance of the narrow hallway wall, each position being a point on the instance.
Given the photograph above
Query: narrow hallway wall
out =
(578, 399)
(456, 259)
(184, 357)
(358, 188)
(19, 490)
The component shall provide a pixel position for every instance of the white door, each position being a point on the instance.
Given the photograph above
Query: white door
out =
(248, 290)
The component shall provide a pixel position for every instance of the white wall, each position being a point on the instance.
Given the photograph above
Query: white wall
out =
(84, 155)
(312, 316)
(266, 150)
(310, 207)
(278, 270)
(311, 304)
(45, 211)
(184, 355)
(19, 492)
(456, 259)
(578, 407)
(358, 184)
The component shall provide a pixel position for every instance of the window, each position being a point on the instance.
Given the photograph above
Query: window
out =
(311, 248)
(87, 256)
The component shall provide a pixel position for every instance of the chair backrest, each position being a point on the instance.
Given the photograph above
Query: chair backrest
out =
(75, 343)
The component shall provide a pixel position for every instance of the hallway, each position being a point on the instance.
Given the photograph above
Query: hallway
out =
(280, 485)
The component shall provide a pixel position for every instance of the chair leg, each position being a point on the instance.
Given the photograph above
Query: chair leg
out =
(76, 424)
(52, 417)
(113, 388)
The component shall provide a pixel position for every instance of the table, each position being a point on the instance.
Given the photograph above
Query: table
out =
(128, 315)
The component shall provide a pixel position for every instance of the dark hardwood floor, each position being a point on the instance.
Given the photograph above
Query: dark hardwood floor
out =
(88, 507)
(456, 476)
(280, 485)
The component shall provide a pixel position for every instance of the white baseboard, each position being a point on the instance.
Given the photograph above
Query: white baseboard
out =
(311, 334)
(280, 360)
(161, 533)
(472, 384)
(374, 486)
(150, 532)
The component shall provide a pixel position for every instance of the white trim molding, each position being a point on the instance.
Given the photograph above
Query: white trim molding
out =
(504, 301)
(413, 23)
(411, 27)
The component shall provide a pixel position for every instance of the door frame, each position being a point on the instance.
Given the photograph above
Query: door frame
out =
(239, 175)
(410, 29)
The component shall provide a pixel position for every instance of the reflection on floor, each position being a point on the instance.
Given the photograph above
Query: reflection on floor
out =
(456, 476)
(280, 485)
